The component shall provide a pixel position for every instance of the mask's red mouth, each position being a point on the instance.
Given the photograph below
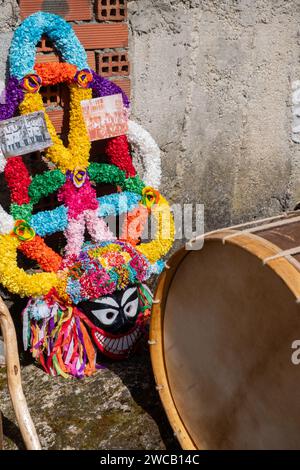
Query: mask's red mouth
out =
(117, 346)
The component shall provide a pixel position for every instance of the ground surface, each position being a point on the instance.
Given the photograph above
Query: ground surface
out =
(118, 408)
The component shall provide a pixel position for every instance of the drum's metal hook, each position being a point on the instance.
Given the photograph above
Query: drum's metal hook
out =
(156, 301)
(152, 342)
(159, 387)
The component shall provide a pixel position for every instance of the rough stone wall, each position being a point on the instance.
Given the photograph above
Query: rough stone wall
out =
(212, 81)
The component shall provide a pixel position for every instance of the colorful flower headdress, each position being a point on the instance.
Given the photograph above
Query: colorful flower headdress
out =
(61, 336)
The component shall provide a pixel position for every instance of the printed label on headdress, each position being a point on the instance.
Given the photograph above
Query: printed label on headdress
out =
(24, 134)
(105, 117)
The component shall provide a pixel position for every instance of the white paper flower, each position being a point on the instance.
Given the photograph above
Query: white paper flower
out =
(2, 161)
(147, 150)
(6, 222)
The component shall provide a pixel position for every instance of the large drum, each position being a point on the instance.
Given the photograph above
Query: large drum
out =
(225, 319)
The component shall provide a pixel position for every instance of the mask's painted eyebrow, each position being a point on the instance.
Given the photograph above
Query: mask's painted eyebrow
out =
(128, 294)
(109, 301)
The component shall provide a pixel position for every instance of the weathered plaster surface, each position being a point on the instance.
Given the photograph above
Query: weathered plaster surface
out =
(9, 17)
(212, 81)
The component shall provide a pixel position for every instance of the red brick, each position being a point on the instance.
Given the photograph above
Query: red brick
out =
(124, 84)
(44, 45)
(91, 59)
(56, 117)
(98, 36)
(75, 10)
(112, 64)
(51, 95)
(42, 58)
(111, 10)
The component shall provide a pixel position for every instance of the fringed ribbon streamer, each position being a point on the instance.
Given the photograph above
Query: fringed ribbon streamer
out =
(60, 342)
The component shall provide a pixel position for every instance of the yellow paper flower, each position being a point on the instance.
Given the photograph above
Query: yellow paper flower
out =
(76, 155)
(150, 196)
(16, 280)
(165, 234)
(104, 262)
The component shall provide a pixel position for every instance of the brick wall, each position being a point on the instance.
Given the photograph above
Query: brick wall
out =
(101, 26)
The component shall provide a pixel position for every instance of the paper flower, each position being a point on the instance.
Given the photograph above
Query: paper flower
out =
(23, 231)
(31, 83)
(147, 151)
(18, 186)
(57, 332)
(22, 50)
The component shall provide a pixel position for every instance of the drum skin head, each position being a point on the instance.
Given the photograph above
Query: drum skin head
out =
(227, 325)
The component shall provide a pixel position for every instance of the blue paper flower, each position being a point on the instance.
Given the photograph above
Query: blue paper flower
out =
(49, 222)
(118, 203)
(73, 289)
(23, 47)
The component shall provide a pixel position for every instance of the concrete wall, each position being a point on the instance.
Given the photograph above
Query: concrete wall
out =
(8, 19)
(212, 81)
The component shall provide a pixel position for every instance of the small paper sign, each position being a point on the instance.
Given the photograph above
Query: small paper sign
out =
(105, 117)
(24, 134)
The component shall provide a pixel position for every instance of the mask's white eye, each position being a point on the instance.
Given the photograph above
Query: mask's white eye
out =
(130, 309)
(107, 316)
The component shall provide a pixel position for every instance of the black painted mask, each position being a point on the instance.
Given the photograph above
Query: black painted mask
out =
(118, 321)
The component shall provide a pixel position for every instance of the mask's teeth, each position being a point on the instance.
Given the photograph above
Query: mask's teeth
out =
(112, 345)
(130, 340)
(98, 336)
(135, 334)
(119, 345)
(125, 343)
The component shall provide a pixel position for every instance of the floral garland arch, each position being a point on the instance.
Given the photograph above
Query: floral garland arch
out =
(91, 296)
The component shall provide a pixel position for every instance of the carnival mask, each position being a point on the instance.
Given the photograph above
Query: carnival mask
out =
(118, 322)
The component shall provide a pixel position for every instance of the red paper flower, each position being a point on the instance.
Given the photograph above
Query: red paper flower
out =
(18, 180)
(117, 150)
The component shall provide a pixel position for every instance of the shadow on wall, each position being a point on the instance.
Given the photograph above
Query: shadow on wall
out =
(53, 6)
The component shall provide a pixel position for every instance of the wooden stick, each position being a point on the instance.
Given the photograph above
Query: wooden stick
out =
(1, 432)
(14, 381)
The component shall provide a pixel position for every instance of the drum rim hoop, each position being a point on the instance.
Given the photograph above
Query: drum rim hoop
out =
(255, 245)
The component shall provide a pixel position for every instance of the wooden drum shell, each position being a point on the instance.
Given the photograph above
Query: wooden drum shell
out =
(225, 376)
